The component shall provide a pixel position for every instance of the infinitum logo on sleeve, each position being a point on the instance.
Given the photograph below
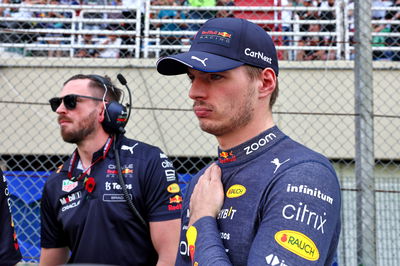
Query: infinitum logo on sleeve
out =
(298, 243)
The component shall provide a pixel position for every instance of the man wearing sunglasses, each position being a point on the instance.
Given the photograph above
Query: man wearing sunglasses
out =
(84, 214)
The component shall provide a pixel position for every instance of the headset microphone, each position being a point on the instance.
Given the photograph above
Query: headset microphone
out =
(122, 80)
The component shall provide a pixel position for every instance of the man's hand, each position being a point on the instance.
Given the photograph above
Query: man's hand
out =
(208, 195)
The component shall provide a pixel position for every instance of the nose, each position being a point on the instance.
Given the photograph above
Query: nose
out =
(61, 109)
(197, 90)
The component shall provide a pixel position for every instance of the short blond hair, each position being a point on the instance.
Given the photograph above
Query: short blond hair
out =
(254, 73)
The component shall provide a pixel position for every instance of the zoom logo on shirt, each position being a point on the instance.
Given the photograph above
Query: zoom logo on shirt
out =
(261, 142)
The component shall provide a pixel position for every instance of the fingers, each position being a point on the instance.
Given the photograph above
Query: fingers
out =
(215, 173)
(208, 194)
(212, 173)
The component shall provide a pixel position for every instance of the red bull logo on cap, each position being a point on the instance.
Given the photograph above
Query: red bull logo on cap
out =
(215, 36)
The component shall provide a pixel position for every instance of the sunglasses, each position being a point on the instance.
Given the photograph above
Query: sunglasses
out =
(69, 101)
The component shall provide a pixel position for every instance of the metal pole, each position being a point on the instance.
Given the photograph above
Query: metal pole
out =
(364, 127)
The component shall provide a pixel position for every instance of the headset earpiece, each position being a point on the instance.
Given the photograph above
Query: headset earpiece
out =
(115, 114)
(115, 118)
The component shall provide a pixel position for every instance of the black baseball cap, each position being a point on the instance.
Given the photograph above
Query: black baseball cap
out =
(222, 44)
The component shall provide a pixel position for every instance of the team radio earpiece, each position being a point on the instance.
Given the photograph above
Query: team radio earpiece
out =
(116, 115)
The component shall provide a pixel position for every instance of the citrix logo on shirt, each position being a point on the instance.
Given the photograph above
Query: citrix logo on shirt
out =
(303, 214)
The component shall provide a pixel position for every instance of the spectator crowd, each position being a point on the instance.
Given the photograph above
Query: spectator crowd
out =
(311, 33)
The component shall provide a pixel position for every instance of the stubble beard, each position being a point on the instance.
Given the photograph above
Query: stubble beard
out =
(241, 117)
(85, 127)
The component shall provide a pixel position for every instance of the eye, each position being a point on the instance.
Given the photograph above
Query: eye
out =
(215, 76)
(190, 77)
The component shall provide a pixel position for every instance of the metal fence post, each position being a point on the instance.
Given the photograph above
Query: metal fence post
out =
(366, 219)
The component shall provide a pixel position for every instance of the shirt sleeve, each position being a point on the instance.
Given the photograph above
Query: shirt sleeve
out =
(299, 222)
(52, 235)
(162, 191)
(9, 249)
(207, 245)
(300, 218)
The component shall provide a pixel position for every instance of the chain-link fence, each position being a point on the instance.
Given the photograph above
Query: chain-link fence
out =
(339, 83)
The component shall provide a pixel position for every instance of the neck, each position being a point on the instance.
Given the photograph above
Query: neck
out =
(90, 145)
(243, 134)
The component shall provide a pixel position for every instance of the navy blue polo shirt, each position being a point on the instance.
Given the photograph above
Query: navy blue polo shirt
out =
(282, 207)
(98, 226)
(9, 249)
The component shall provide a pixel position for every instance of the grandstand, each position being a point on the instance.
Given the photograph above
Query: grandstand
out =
(42, 43)
(38, 32)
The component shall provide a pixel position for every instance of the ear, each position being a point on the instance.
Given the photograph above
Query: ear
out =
(101, 114)
(268, 79)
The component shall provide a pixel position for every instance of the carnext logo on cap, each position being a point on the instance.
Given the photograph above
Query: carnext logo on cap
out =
(258, 55)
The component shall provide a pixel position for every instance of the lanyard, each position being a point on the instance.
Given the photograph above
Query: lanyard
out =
(74, 157)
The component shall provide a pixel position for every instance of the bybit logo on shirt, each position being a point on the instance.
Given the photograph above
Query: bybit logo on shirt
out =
(227, 213)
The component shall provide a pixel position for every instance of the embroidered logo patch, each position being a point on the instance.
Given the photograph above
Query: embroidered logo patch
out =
(68, 185)
(216, 36)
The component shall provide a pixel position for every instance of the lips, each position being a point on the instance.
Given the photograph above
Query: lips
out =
(201, 111)
(63, 120)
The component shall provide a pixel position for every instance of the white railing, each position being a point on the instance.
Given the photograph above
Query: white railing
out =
(75, 30)
(349, 32)
(149, 39)
(273, 19)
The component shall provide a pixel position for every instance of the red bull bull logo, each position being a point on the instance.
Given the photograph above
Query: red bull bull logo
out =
(127, 171)
(224, 34)
(225, 157)
(175, 199)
